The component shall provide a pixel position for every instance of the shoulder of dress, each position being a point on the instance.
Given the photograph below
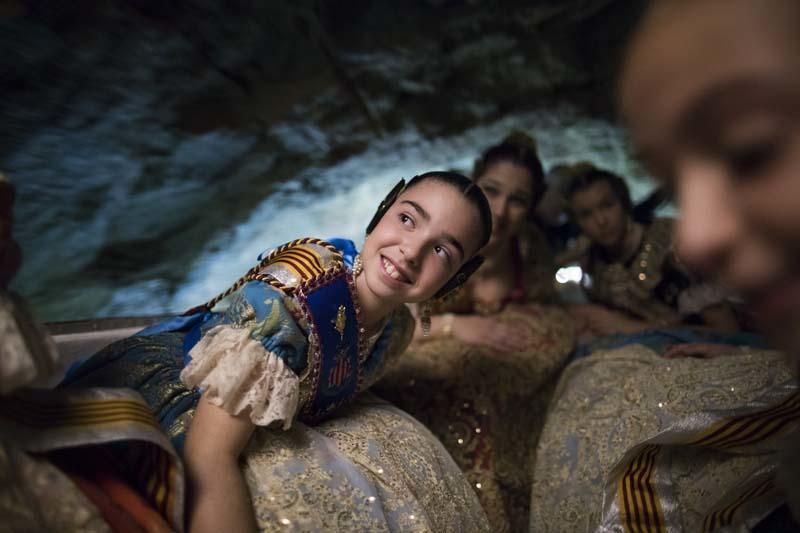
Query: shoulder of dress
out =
(302, 262)
(660, 230)
(402, 323)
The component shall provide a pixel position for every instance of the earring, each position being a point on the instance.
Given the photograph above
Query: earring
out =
(425, 318)
(358, 266)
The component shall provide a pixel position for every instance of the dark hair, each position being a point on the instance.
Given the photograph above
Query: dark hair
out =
(583, 175)
(520, 149)
(473, 194)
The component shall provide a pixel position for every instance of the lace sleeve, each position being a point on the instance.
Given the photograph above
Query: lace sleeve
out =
(250, 362)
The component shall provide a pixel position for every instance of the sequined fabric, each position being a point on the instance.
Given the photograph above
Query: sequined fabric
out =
(486, 407)
(652, 285)
(371, 468)
(629, 420)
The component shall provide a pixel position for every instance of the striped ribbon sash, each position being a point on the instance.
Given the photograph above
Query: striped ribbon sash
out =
(45, 421)
(640, 493)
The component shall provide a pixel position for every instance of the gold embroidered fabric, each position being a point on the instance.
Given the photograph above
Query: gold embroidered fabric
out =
(371, 468)
(631, 287)
(630, 404)
(485, 406)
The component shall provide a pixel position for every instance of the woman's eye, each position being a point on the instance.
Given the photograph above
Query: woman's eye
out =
(440, 251)
(406, 220)
(489, 191)
(519, 201)
(752, 159)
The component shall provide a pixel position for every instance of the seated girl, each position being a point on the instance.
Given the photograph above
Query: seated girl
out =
(474, 380)
(636, 442)
(631, 270)
(306, 330)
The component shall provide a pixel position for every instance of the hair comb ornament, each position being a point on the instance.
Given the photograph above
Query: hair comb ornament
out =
(460, 277)
(386, 204)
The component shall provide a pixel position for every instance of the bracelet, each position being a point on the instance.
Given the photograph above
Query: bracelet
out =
(447, 324)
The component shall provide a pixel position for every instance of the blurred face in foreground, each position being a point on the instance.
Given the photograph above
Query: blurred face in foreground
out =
(711, 93)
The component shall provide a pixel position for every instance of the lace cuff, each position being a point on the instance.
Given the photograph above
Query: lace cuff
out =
(239, 375)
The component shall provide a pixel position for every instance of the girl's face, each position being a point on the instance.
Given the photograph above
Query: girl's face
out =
(711, 92)
(509, 190)
(600, 215)
(420, 243)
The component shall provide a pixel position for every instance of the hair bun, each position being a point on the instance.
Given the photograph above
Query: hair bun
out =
(520, 139)
(579, 169)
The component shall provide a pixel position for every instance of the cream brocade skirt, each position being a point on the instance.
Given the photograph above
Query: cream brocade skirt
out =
(486, 407)
(371, 468)
(636, 442)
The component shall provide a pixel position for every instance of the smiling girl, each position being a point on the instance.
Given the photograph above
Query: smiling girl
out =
(475, 381)
(306, 330)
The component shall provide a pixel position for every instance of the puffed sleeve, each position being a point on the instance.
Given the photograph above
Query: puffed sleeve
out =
(250, 362)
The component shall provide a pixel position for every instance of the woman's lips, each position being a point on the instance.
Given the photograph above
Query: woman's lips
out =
(393, 272)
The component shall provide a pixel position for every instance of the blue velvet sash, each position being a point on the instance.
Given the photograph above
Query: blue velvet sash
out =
(334, 361)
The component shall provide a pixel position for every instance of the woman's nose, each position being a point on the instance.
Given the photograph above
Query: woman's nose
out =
(600, 220)
(708, 222)
(500, 208)
(411, 252)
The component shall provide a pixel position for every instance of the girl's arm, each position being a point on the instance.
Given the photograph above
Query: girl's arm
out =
(477, 330)
(721, 317)
(218, 496)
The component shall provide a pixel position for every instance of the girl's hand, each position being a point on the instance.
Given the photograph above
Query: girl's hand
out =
(491, 332)
(700, 350)
(599, 320)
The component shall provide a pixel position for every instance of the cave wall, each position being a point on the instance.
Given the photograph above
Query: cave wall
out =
(198, 108)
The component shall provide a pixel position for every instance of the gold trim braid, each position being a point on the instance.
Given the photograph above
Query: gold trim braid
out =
(306, 266)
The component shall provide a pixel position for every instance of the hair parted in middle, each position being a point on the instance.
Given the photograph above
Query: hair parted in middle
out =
(517, 148)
